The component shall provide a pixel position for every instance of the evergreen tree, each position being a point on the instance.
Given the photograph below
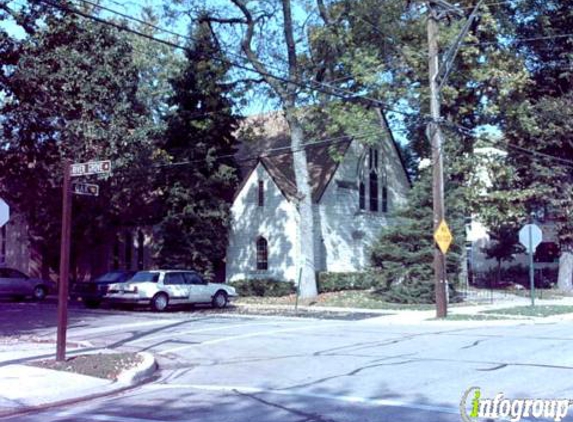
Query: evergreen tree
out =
(200, 130)
(403, 256)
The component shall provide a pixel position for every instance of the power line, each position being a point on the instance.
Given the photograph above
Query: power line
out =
(315, 85)
(468, 131)
(520, 40)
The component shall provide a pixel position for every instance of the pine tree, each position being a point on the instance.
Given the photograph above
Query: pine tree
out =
(197, 195)
(403, 255)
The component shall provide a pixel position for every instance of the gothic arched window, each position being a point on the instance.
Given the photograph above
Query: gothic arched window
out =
(262, 254)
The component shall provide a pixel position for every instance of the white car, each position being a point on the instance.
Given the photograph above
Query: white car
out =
(161, 288)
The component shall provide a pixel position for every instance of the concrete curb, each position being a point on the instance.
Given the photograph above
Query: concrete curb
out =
(141, 372)
(127, 380)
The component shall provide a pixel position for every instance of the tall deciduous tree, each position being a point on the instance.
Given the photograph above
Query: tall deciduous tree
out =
(282, 49)
(537, 118)
(199, 184)
(70, 92)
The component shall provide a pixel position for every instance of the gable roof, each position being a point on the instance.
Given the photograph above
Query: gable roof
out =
(265, 139)
(269, 143)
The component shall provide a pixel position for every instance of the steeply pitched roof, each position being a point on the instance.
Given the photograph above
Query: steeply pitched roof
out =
(266, 139)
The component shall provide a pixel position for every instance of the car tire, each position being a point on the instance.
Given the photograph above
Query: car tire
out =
(220, 300)
(160, 302)
(40, 293)
(92, 303)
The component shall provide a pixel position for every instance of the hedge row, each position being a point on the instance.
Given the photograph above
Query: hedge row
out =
(267, 287)
(336, 282)
(327, 282)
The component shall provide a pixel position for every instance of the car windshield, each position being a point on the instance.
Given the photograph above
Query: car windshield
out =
(143, 276)
(113, 276)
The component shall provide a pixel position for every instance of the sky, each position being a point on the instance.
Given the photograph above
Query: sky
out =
(255, 105)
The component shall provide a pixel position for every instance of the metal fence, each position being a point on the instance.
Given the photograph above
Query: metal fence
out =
(512, 284)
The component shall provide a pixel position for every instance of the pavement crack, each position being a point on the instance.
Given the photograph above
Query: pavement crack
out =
(474, 344)
(307, 416)
(494, 368)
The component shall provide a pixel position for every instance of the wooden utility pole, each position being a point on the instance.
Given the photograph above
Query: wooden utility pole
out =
(438, 77)
(64, 265)
(435, 134)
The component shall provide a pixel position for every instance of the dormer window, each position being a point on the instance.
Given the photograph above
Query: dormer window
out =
(261, 193)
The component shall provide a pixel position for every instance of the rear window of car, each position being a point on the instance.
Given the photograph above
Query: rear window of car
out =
(113, 277)
(145, 276)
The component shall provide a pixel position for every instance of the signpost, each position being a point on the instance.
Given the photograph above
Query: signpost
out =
(443, 238)
(4, 212)
(530, 236)
(71, 170)
(85, 189)
(93, 167)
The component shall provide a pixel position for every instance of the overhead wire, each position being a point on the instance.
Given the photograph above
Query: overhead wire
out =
(311, 85)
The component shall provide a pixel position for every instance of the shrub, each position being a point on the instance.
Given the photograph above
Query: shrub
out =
(265, 287)
(336, 282)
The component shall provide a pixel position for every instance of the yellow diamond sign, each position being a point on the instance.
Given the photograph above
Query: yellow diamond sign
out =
(443, 237)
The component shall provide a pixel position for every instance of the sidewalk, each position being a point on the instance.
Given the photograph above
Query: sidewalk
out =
(406, 316)
(25, 388)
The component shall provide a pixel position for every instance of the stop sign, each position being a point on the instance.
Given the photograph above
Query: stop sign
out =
(530, 233)
(4, 212)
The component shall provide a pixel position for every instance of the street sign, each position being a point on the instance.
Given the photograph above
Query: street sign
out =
(93, 167)
(443, 237)
(4, 212)
(85, 189)
(533, 231)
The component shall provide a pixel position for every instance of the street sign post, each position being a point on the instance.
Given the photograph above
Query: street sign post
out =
(4, 212)
(71, 170)
(530, 236)
(64, 267)
(85, 189)
(92, 167)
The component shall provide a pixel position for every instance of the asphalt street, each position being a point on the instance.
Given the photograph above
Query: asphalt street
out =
(245, 368)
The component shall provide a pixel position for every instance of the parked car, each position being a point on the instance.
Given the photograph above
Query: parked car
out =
(161, 288)
(91, 292)
(16, 284)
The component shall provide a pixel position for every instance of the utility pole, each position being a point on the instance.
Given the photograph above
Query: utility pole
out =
(64, 266)
(435, 134)
(439, 73)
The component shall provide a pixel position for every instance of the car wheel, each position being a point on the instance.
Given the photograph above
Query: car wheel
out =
(92, 303)
(220, 299)
(40, 293)
(159, 302)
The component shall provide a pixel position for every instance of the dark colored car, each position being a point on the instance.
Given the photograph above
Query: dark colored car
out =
(91, 292)
(16, 284)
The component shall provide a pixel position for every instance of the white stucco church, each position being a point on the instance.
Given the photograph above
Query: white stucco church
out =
(352, 196)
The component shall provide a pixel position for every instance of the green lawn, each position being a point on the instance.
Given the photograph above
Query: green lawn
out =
(533, 311)
(345, 299)
(463, 317)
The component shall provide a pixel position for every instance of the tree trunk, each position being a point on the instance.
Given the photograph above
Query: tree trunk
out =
(565, 281)
(306, 236)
